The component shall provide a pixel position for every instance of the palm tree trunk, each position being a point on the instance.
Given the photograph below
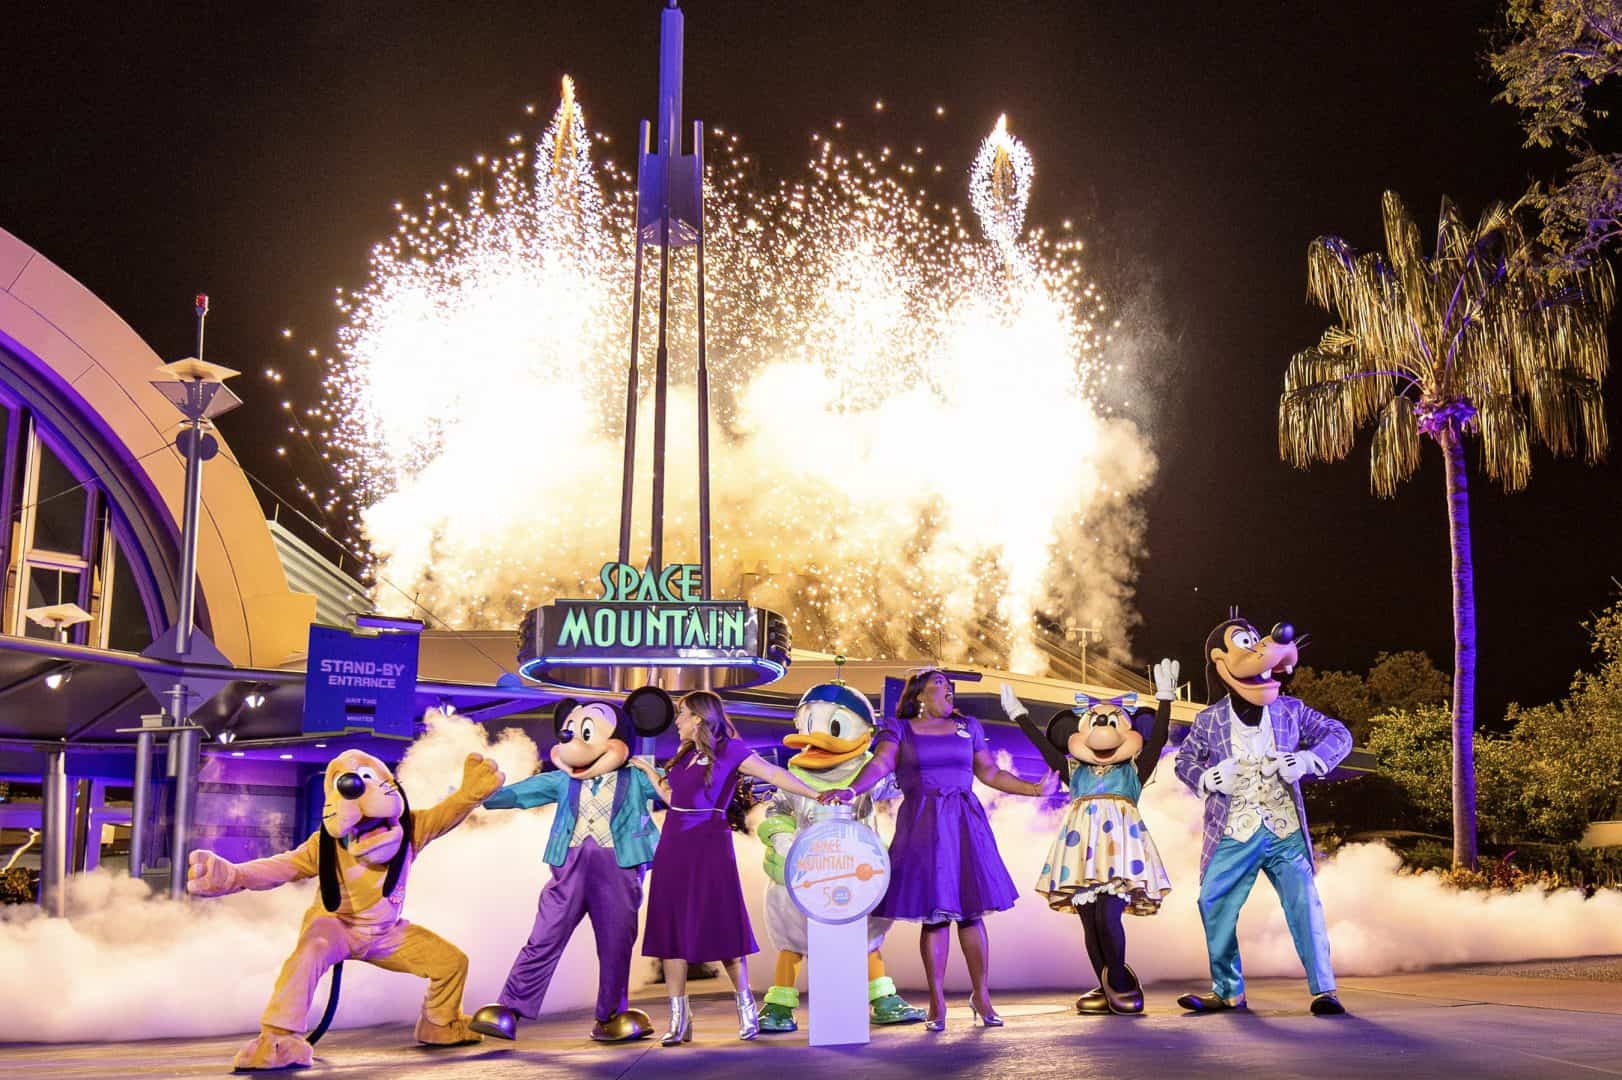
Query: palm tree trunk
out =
(1464, 650)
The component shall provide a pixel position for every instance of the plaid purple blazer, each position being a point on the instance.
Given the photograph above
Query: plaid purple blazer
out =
(1295, 727)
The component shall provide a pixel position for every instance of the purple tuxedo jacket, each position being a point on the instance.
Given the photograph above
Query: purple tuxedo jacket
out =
(1295, 727)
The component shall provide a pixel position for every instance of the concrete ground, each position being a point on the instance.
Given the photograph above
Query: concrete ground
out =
(1545, 1020)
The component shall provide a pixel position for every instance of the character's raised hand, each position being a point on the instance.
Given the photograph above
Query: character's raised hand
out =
(209, 875)
(1012, 707)
(480, 777)
(1165, 677)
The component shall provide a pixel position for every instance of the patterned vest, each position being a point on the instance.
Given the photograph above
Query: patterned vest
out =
(1261, 798)
(595, 811)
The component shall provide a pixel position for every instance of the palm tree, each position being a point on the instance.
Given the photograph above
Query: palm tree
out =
(1476, 339)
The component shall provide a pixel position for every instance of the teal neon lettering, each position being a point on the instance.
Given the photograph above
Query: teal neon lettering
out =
(732, 622)
(576, 628)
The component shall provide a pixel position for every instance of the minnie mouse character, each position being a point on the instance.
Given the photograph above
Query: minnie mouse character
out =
(1103, 862)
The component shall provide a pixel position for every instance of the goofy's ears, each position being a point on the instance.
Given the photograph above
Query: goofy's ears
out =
(651, 711)
(560, 713)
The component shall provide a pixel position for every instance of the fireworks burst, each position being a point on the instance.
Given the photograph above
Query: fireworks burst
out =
(910, 455)
(1000, 187)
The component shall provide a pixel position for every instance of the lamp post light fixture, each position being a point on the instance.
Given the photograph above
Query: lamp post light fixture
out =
(59, 619)
(1085, 635)
(197, 389)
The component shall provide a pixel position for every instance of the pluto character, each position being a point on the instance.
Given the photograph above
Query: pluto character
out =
(833, 732)
(1103, 862)
(601, 844)
(1247, 755)
(362, 853)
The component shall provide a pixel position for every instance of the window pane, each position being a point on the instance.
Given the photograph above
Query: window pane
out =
(47, 586)
(127, 628)
(59, 507)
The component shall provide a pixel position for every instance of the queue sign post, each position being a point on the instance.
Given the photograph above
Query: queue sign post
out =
(837, 872)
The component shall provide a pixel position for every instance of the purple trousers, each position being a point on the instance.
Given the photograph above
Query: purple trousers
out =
(589, 883)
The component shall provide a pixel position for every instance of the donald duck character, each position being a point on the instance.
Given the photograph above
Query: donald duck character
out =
(1247, 755)
(601, 843)
(833, 732)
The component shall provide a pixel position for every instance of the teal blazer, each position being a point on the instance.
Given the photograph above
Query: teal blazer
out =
(630, 822)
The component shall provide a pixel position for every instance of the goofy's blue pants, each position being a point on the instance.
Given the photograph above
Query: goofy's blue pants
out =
(1226, 886)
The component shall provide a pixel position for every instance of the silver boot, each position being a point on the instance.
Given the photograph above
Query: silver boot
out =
(748, 1015)
(681, 1023)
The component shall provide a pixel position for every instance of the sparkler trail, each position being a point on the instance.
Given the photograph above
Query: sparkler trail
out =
(912, 455)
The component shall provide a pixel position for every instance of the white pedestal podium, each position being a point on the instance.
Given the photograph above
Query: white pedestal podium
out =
(836, 976)
(837, 871)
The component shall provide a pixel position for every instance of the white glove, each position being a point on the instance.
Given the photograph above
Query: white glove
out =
(1223, 777)
(1165, 677)
(782, 841)
(1012, 707)
(1292, 767)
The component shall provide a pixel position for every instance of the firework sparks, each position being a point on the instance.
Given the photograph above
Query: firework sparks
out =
(1000, 187)
(910, 453)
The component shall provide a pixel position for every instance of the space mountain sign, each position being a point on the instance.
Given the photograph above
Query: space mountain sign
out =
(653, 626)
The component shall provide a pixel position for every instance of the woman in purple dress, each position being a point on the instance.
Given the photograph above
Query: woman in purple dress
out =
(944, 864)
(696, 912)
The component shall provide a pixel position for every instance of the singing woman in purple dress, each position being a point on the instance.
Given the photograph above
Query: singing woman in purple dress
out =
(696, 912)
(944, 863)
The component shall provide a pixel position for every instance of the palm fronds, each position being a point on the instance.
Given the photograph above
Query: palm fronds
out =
(1477, 336)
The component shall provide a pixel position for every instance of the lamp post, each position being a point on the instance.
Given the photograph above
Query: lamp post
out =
(1084, 634)
(53, 864)
(197, 389)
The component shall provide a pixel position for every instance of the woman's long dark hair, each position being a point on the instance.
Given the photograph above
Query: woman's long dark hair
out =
(714, 731)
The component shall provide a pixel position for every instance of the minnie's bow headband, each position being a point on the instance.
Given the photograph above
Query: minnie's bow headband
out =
(1085, 702)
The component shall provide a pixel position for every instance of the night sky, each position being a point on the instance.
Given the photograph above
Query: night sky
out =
(254, 151)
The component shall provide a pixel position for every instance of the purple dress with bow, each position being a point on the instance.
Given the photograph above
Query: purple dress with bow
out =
(944, 863)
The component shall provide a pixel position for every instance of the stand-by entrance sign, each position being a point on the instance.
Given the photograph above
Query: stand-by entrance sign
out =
(362, 680)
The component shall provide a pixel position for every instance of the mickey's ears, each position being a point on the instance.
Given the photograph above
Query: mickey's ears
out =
(651, 711)
(561, 711)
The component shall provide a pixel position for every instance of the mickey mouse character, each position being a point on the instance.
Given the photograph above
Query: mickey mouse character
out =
(362, 853)
(1247, 754)
(602, 841)
(1103, 862)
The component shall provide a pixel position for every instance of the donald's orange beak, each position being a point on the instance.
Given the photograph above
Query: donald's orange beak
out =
(823, 751)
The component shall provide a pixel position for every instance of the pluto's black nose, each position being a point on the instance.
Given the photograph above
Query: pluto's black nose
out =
(1283, 633)
(565, 735)
(350, 786)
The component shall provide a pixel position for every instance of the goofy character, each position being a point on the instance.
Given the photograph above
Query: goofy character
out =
(1247, 755)
(601, 843)
(362, 853)
(833, 732)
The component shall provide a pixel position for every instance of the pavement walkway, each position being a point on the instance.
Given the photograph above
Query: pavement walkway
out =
(1492, 1022)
